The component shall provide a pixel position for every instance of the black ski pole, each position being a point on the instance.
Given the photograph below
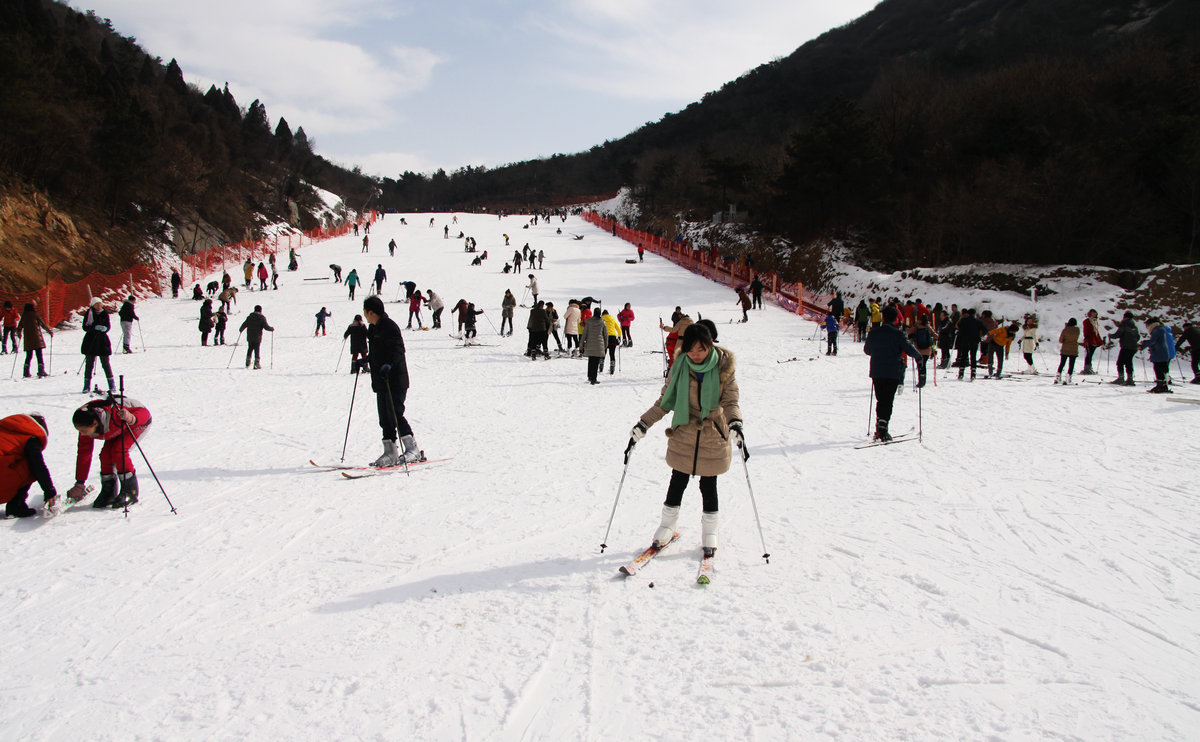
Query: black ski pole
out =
(234, 353)
(871, 407)
(662, 335)
(138, 446)
(620, 486)
(141, 337)
(746, 468)
(920, 416)
(340, 353)
(357, 373)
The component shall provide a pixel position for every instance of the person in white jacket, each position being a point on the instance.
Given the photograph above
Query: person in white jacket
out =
(533, 288)
(571, 326)
(436, 305)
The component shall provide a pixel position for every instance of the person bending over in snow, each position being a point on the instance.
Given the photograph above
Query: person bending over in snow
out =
(22, 440)
(118, 426)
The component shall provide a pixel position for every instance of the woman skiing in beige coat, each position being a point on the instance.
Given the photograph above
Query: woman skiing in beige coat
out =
(701, 395)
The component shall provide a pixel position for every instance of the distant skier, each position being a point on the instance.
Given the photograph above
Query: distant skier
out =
(507, 305)
(352, 281)
(321, 317)
(253, 325)
(356, 331)
(380, 278)
(127, 316)
(96, 345)
(205, 324)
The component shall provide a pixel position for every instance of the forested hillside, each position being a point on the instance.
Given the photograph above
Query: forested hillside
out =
(105, 151)
(927, 131)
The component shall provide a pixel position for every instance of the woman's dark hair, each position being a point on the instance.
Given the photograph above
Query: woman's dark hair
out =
(712, 327)
(695, 333)
(1071, 322)
(85, 417)
(889, 315)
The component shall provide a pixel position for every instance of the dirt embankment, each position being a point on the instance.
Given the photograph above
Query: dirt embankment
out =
(39, 240)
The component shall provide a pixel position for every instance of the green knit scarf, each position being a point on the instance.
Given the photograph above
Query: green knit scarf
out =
(675, 398)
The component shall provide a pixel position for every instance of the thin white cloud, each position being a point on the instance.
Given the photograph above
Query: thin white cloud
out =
(279, 51)
(681, 49)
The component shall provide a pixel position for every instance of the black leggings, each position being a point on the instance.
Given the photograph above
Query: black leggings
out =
(885, 397)
(1125, 362)
(679, 482)
(1063, 361)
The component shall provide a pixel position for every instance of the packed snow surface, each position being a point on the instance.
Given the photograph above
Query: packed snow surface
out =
(1030, 570)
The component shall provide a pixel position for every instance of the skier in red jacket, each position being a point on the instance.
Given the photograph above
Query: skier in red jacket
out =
(118, 426)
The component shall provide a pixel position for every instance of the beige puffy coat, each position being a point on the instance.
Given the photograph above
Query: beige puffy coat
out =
(701, 447)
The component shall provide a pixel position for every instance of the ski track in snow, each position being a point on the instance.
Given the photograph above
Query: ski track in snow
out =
(1029, 571)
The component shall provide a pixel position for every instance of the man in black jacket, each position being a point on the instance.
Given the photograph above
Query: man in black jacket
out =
(887, 346)
(254, 324)
(970, 330)
(389, 381)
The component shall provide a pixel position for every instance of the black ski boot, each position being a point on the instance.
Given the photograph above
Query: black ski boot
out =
(17, 507)
(881, 431)
(108, 490)
(129, 491)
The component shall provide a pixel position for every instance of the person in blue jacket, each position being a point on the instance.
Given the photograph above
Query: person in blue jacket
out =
(831, 332)
(887, 346)
(1162, 349)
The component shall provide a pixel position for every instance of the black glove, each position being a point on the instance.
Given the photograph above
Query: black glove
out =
(739, 440)
(385, 369)
(635, 435)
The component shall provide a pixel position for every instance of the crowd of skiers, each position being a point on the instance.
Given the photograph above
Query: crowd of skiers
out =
(896, 332)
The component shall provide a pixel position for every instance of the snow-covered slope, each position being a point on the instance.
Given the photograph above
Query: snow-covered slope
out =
(1029, 571)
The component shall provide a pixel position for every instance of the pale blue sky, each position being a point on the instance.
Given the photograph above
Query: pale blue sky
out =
(392, 86)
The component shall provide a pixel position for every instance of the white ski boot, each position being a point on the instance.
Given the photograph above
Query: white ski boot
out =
(411, 453)
(390, 456)
(666, 527)
(708, 533)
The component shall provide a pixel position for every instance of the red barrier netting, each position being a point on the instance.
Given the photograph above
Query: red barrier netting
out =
(57, 300)
(791, 296)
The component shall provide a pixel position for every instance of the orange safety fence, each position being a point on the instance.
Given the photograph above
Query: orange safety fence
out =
(791, 296)
(57, 300)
